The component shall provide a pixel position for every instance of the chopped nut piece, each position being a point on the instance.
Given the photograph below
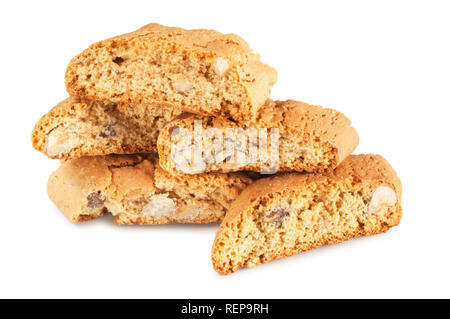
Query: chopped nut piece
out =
(185, 160)
(108, 130)
(182, 86)
(118, 60)
(221, 66)
(174, 130)
(95, 201)
(61, 141)
(159, 206)
(383, 196)
(276, 216)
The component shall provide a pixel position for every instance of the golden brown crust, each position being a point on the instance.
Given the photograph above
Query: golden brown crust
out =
(200, 40)
(248, 80)
(77, 127)
(132, 189)
(305, 130)
(369, 167)
(365, 172)
(299, 118)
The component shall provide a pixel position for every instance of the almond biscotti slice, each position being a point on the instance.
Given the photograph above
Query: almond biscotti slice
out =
(284, 136)
(280, 216)
(136, 191)
(202, 71)
(77, 128)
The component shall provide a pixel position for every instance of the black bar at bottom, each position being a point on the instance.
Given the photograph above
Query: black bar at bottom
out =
(220, 308)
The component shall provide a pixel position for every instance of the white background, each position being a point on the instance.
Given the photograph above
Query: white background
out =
(385, 64)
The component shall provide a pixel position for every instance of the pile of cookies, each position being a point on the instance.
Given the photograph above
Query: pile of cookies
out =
(169, 125)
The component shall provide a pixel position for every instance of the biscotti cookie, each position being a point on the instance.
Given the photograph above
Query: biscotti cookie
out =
(136, 191)
(77, 127)
(202, 71)
(284, 136)
(280, 216)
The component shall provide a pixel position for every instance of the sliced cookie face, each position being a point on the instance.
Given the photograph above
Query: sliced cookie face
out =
(201, 71)
(284, 136)
(136, 191)
(77, 128)
(280, 216)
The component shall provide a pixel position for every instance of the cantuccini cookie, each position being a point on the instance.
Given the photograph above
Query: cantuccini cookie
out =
(135, 190)
(78, 127)
(280, 216)
(201, 71)
(284, 136)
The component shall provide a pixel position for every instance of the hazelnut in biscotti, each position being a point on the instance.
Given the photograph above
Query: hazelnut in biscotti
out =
(202, 71)
(307, 138)
(284, 215)
(135, 190)
(77, 128)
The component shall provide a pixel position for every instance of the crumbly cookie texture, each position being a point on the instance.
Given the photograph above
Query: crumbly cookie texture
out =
(311, 139)
(137, 191)
(280, 216)
(78, 127)
(201, 71)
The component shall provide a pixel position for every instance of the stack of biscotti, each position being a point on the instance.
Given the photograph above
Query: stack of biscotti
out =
(170, 125)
